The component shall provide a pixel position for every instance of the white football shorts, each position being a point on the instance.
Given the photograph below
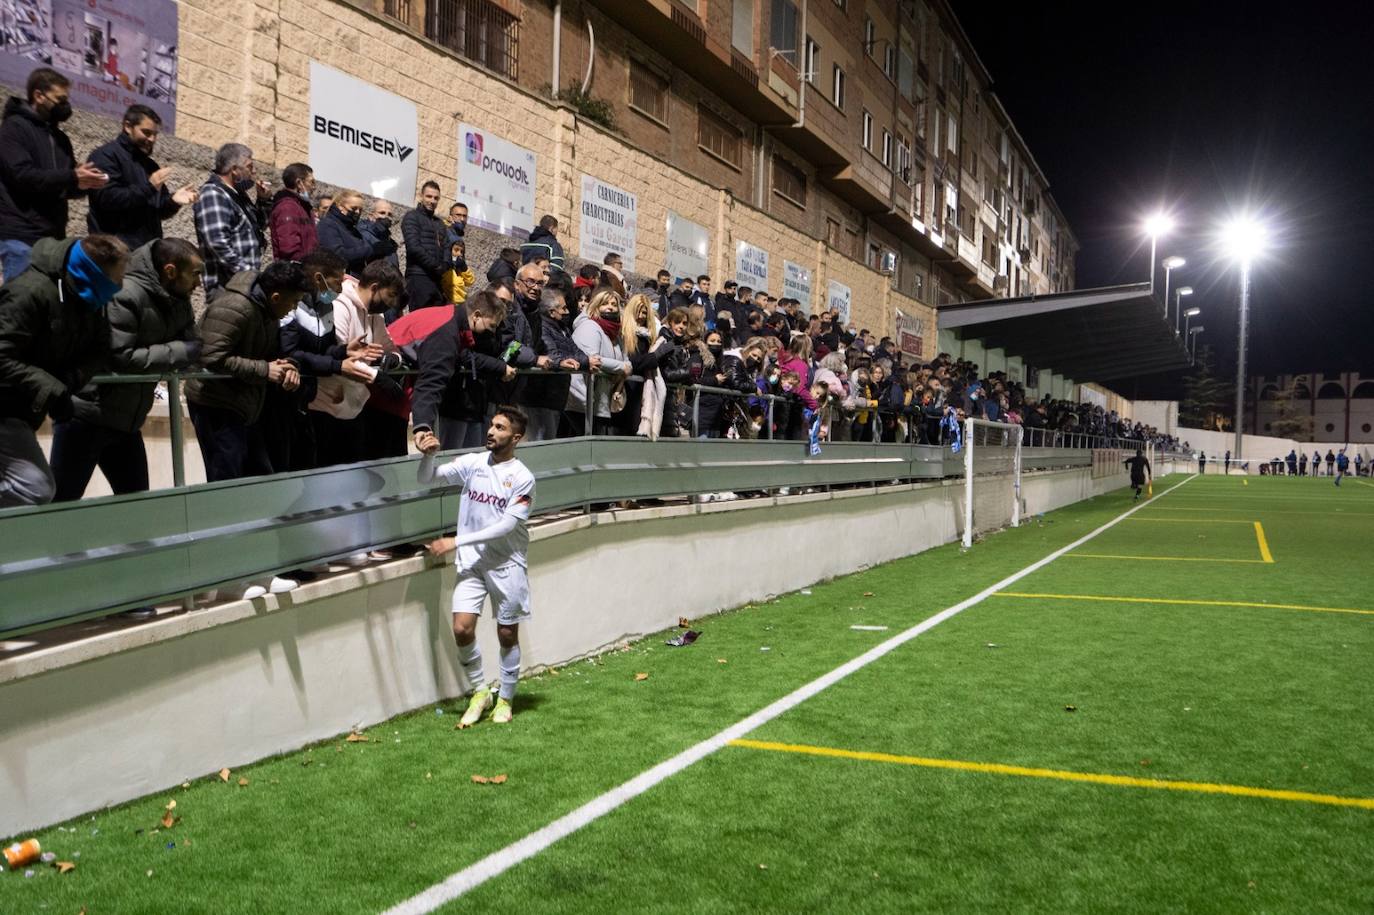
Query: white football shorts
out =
(508, 586)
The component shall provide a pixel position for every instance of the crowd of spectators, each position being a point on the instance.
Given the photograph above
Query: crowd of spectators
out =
(326, 348)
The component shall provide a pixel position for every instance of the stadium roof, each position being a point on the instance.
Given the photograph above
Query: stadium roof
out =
(1087, 335)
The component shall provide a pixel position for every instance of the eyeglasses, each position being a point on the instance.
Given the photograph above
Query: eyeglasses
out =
(530, 284)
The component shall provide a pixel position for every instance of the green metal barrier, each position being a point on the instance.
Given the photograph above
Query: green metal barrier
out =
(65, 562)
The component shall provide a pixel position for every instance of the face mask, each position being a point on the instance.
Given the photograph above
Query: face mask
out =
(326, 297)
(716, 351)
(773, 378)
(352, 218)
(787, 389)
(384, 222)
(60, 112)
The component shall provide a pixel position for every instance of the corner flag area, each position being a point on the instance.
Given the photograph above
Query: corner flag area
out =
(1160, 704)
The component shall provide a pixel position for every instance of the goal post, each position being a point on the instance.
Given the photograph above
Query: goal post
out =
(992, 476)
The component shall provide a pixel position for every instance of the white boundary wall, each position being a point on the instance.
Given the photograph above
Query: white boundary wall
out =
(119, 716)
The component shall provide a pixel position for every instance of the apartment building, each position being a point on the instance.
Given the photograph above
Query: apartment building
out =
(870, 126)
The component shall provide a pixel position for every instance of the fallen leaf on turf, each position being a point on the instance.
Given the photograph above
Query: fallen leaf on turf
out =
(641, 676)
(498, 779)
(224, 775)
(150, 872)
(868, 594)
(168, 821)
(481, 779)
(429, 775)
(721, 661)
(411, 824)
(64, 866)
(763, 867)
(185, 784)
(1144, 762)
(243, 782)
(684, 623)
(172, 804)
(1070, 708)
(355, 737)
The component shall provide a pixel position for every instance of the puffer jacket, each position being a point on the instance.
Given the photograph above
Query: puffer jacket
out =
(424, 235)
(50, 342)
(543, 243)
(151, 331)
(37, 175)
(293, 227)
(592, 340)
(240, 336)
(345, 239)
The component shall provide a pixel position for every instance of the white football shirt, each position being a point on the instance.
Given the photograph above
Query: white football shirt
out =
(491, 491)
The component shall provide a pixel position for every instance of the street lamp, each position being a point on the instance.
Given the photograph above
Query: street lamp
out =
(1244, 241)
(1190, 314)
(1192, 342)
(1169, 263)
(1178, 315)
(1157, 225)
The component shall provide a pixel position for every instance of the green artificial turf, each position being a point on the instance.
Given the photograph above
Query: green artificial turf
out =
(1250, 696)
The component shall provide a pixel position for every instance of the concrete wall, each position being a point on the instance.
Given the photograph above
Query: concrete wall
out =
(112, 718)
(1256, 448)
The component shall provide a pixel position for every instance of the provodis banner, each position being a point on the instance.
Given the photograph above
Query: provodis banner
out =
(689, 246)
(838, 297)
(496, 181)
(751, 266)
(362, 137)
(796, 284)
(610, 222)
(117, 53)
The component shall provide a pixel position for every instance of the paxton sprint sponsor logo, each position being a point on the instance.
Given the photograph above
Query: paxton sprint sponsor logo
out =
(473, 146)
(391, 148)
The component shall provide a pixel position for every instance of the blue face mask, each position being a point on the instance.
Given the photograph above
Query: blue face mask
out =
(326, 297)
(92, 285)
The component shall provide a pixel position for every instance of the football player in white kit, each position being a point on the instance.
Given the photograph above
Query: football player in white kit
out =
(491, 544)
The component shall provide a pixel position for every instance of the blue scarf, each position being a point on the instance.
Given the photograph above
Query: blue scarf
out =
(91, 284)
(950, 424)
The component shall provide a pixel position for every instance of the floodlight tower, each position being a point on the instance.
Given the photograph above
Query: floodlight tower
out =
(1244, 240)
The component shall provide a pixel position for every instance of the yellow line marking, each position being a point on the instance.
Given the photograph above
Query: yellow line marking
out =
(1161, 558)
(1107, 598)
(1263, 544)
(1120, 781)
(1190, 520)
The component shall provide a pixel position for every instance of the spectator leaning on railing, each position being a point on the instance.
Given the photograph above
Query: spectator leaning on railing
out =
(152, 331)
(38, 170)
(455, 361)
(597, 333)
(239, 333)
(133, 206)
(547, 397)
(53, 337)
(359, 314)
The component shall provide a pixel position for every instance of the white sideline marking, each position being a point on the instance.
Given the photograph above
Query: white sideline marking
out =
(502, 860)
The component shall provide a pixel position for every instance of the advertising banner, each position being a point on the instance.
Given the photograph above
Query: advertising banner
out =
(796, 284)
(689, 247)
(911, 334)
(362, 137)
(117, 53)
(496, 181)
(838, 297)
(610, 222)
(751, 266)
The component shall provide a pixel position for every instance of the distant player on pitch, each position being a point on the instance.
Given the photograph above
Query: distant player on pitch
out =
(1139, 467)
(491, 544)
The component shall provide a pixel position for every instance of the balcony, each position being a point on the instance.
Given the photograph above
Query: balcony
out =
(865, 183)
(824, 137)
(678, 33)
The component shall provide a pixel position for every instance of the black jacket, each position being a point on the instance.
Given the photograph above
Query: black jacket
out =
(526, 328)
(37, 176)
(129, 207)
(737, 378)
(240, 336)
(454, 367)
(347, 240)
(543, 243)
(500, 269)
(308, 340)
(150, 332)
(424, 235)
(50, 342)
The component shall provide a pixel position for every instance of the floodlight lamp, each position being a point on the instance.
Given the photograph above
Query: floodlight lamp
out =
(1173, 263)
(1193, 312)
(1158, 224)
(1195, 330)
(1244, 239)
(1184, 290)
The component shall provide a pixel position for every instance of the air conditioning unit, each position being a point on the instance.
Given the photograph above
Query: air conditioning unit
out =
(888, 264)
(1025, 253)
(999, 283)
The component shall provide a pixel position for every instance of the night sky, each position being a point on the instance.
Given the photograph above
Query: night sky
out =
(1206, 110)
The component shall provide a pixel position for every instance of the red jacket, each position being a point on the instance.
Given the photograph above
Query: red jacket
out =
(293, 227)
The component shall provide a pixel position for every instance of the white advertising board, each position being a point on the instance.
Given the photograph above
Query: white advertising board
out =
(496, 181)
(751, 266)
(796, 284)
(689, 247)
(610, 222)
(362, 137)
(838, 297)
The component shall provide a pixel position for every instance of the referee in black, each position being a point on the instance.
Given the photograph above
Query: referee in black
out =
(1140, 471)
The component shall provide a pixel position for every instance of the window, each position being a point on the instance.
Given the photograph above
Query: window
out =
(837, 87)
(783, 30)
(887, 149)
(789, 181)
(742, 27)
(903, 160)
(952, 135)
(648, 92)
(890, 61)
(906, 76)
(868, 131)
(813, 56)
(719, 137)
(875, 256)
(479, 30)
(870, 36)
